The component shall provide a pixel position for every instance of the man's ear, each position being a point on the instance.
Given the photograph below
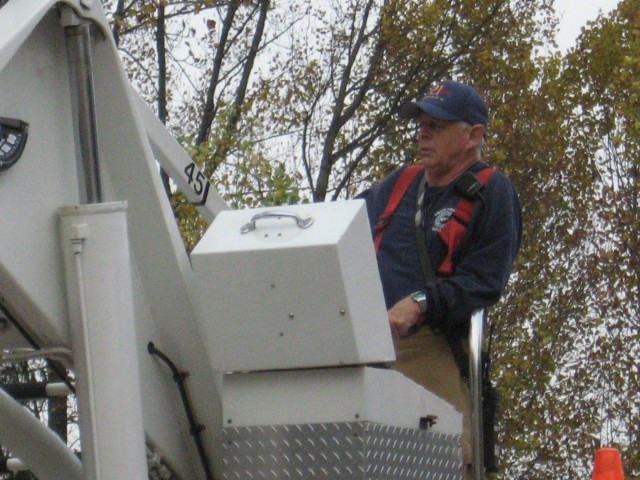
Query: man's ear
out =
(476, 135)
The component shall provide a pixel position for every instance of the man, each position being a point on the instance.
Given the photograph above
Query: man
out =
(470, 274)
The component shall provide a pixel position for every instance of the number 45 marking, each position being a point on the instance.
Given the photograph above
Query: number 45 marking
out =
(198, 182)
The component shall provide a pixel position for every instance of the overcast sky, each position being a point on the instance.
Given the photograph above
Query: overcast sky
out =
(575, 14)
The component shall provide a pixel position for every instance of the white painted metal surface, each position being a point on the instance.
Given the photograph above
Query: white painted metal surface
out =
(349, 423)
(324, 276)
(178, 164)
(38, 447)
(35, 88)
(95, 244)
(475, 384)
(333, 395)
(284, 296)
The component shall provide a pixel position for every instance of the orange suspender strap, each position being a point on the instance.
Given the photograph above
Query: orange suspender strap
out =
(455, 229)
(397, 193)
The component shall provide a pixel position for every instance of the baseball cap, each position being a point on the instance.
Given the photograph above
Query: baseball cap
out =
(449, 100)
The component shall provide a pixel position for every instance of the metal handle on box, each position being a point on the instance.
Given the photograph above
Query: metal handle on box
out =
(475, 381)
(301, 222)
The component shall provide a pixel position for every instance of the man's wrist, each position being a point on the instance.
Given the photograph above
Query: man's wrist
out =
(420, 297)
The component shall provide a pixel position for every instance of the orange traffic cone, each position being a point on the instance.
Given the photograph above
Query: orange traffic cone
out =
(608, 465)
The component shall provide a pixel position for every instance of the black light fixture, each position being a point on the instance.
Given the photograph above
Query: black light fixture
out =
(13, 138)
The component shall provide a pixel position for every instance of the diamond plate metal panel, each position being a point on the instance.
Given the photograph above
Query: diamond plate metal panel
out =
(344, 451)
(393, 452)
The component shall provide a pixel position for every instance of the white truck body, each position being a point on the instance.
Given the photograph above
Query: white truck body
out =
(277, 327)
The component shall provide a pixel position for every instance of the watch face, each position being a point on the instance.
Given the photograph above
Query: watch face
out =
(420, 298)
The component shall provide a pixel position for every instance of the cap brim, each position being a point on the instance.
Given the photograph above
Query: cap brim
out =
(409, 110)
(412, 110)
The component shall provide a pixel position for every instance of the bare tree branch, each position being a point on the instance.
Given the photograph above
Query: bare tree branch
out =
(209, 110)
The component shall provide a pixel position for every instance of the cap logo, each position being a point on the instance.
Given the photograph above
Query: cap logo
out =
(439, 90)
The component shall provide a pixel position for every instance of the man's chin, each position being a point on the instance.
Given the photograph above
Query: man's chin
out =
(426, 160)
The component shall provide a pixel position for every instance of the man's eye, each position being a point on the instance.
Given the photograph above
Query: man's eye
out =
(432, 126)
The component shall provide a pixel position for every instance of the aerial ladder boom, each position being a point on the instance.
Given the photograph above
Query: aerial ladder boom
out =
(228, 362)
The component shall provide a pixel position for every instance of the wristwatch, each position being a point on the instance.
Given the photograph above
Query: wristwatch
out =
(420, 297)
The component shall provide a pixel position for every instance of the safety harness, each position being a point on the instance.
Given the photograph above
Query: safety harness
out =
(454, 231)
(399, 189)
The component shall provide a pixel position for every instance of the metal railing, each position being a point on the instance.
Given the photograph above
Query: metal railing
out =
(475, 387)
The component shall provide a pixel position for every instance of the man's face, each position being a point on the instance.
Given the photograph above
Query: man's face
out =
(442, 144)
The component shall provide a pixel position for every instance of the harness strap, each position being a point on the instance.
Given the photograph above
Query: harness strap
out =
(397, 193)
(455, 229)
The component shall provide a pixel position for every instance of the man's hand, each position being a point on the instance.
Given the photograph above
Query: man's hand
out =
(404, 315)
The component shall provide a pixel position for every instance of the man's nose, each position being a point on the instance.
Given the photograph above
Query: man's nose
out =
(424, 131)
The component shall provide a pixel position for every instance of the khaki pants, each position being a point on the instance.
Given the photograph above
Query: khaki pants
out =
(426, 358)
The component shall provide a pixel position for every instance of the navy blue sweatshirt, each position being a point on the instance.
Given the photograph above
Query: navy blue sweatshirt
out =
(482, 262)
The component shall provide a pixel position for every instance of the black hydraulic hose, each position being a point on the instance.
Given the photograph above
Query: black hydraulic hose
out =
(195, 429)
(57, 369)
(19, 327)
(26, 391)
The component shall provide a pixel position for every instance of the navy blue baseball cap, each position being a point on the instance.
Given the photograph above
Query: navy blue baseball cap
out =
(449, 100)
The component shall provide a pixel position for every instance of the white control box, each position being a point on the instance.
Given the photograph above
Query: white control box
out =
(291, 287)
